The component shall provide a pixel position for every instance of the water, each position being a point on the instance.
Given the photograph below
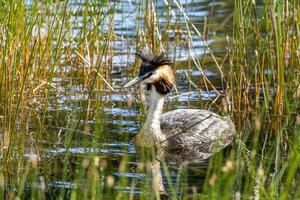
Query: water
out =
(118, 119)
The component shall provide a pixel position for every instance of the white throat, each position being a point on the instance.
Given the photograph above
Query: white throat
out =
(151, 133)
(155, 110)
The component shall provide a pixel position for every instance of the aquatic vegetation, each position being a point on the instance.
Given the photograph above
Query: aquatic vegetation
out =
(67, 125)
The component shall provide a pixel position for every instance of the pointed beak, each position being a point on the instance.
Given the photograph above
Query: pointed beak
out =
(133, 82)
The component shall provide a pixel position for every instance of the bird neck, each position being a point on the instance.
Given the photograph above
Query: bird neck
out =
(155, 109)
(152, 123)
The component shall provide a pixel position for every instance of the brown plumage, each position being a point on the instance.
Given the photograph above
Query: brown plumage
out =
(152, 60)
(165, 81)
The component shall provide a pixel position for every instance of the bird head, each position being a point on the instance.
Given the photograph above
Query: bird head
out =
(155, 70)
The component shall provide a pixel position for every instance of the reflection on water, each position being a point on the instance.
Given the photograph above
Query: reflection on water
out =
(123, 122)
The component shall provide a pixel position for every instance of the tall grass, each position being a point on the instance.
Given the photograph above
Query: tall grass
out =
(75, 43)
(264, 73)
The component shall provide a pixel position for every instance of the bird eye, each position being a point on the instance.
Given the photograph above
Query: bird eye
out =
(147, 75)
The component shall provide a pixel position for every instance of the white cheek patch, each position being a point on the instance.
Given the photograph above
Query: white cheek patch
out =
(143, 86)
(155, 76)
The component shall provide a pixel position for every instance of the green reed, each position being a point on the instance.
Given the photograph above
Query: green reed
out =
(262, 61)
(37, 40)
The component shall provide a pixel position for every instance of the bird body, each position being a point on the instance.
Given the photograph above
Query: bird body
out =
(195, 134)
(182, 134)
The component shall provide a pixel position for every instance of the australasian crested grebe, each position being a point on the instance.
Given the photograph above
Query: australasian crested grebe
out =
(186, 133)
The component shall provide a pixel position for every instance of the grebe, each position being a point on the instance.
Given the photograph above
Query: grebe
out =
(182, 134)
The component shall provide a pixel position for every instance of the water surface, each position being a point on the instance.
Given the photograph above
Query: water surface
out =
(72, 123)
